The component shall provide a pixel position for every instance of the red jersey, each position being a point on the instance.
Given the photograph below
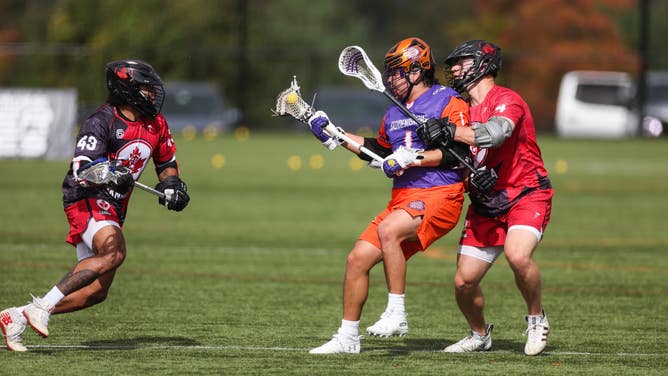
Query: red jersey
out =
(517, 161)
(107, 134)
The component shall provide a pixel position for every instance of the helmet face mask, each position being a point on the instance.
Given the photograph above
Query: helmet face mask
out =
(135, 83)
(485, 59)
(462, 71)
(410, 55)
(398, 81)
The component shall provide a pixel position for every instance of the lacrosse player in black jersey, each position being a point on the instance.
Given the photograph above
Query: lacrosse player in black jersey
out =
(124, 133)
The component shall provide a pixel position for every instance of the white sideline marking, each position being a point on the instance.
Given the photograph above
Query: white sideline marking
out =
(260, 348)
(162, 347)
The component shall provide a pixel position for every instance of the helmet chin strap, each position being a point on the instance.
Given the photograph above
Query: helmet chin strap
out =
(411, 85)
(408, 93)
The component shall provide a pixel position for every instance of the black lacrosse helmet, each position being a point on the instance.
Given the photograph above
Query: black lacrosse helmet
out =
(486, 60)
(135, 82)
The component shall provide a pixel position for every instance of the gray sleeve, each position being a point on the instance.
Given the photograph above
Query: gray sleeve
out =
(493, 132)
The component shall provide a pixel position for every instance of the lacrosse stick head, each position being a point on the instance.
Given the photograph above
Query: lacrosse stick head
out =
(97, 172)
(290, 103)
(354, 62)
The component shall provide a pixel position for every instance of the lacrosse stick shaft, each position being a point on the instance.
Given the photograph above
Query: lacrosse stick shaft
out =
(149, 189)
(337, 134)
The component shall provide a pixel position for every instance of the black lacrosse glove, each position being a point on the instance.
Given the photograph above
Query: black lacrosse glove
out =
(483, 180)
(436, 132)
(175, 190)
(124, 180)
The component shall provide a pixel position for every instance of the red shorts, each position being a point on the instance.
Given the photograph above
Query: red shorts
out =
(79, 213)
(439, 207)
(532, 210)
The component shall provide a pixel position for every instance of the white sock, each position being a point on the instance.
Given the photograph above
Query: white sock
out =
(53, 297)
(349, 328)
(395, 303)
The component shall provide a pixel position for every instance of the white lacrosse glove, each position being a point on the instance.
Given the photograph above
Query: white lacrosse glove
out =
(395, 163)
(317, 123)
(77, 163)
(375, 164)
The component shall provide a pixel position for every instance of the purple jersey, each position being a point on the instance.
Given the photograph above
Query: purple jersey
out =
(400, 130)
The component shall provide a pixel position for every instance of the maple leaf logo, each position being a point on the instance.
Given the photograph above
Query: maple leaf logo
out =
(135, 163)
(487, 49)
(134, 156)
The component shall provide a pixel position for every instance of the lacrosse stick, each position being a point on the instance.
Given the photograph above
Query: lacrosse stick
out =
(101, 171)
(354, 62)
(289, 102)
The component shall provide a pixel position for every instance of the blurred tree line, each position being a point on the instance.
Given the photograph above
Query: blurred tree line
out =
(252, 48)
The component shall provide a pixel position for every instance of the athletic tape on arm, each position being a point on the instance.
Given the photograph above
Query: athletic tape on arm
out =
(493, 132)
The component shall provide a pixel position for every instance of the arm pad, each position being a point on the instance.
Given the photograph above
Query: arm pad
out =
(162, 167)
(493, 132)
(373, 145)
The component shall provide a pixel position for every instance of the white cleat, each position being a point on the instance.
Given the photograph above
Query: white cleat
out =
(390, 324)
(537, 330)
(37, 313)
(12, 327)
(339, 344)
(473, 342)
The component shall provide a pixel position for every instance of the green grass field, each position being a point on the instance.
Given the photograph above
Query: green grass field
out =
(248, 277)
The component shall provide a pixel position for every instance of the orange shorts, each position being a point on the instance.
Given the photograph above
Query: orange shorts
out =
(439, 207)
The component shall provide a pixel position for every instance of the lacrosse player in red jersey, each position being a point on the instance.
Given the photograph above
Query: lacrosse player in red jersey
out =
(512, 217)
(128, 130)
(427, 193)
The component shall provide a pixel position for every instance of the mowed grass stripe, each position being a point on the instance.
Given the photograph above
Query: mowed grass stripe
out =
(432, 253)
(273, 348)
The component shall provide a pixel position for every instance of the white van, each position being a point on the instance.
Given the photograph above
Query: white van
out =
(657, 99)
(596, 104)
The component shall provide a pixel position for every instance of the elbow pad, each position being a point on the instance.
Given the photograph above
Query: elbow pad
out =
(373, 145)
(493, 132)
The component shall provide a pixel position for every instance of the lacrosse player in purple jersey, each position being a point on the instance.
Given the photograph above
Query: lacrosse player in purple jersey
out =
(427, 193)
(129, 130)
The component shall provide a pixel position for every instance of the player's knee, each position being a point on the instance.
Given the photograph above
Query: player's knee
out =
(353, 262)
(518, 260)
(386, 233)
(359, 263)
(114, 258)
(463, 285)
